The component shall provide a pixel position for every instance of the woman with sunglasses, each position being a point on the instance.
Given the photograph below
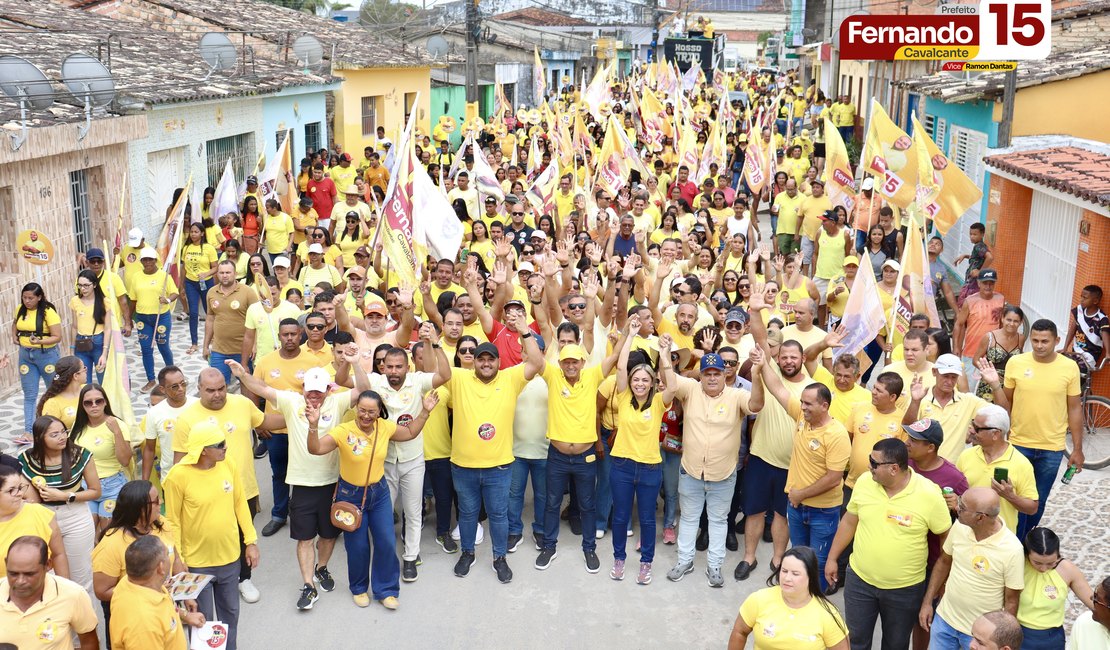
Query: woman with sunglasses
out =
(19, 517)
(322, 237)
(63, 477)
(60, 398)
(464, 353)
(106, 437)
(362, 446)
(137, 514)
(730, 285)
(256, 266)
(1043, 602)
(351, 237)
(92, 320)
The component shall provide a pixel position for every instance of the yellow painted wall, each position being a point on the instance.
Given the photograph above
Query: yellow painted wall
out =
(1069, 107)
(389, 83)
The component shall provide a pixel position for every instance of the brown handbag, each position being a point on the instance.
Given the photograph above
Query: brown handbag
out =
(345, 516)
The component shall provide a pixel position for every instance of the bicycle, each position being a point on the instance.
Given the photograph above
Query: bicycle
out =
(1096, 422)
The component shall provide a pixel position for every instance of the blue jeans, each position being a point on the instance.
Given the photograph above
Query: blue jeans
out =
(521, 469)
(671, 463)
(714, 497)
(383, 577)
(35, 365)
(632, 479)
(154, 329)
(562, 469)
(815, 528)
(1046, 464)
(437, 477)
(277, 448)
(92, 357)
(196, 293)
(847, 133)
(216, 360)
(861, 240)
(603, 495)
(488, 485)
(943, 636)
(1050, 639)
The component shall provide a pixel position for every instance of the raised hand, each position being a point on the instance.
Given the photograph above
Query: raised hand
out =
(663, 270)
(835, 338)
(430, 401)
(312, 414)
(758, 298)
(758, 359)
(631, 265)
(562, 252)
(500, 273)
(591, 286)
(987, 371)
(779, 262)
(594, 252)
(427, 332)
(237, 369)
(665, 345)
(917, 388)
(709, 341)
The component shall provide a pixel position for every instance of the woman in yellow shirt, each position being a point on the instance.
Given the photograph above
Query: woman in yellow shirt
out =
(92, 319)
(106, 437)
(362, 445)
(353, 235)
(284, 278)
(60, 398)
(233, 251)
(19, 518)
(36, 330)
(152, 294)
(792, 614)
(198, 261)
(278, 228)
(480, 243)
(637, 467)
(668, 228)
(1044, 600)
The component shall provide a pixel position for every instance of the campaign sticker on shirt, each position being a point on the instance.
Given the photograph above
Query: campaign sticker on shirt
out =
(487, 431)
(46, 631)
(229, 427)
(980, 564)
(215, 304)
(98, 441)
(326, 418)
(167, 425)
(814, 444)
(1050, 592)
(864, 428)
(769, 630)
(227, 486)
(275, 373)
(565, 392)
(902, 519)
(1028, 373)
(235, 304)
(70, 412)
(403, 420)
(299, 374)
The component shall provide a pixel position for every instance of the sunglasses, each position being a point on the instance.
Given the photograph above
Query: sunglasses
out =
(219, 445)
(518, 214)
(99, 401)
(731, 364)
(467, 350)
(577, 305)
(352, 220)
(734, 326)
(315, 326)
(527, 251)
(876, 464)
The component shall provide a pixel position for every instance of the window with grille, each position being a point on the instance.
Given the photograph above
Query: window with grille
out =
(370, 114)
(79, 198)
(966, 150)
(930, 124)
(311, 137)
(239, 149)
(510, 93)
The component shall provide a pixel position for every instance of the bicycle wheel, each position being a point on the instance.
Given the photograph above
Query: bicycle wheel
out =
(1096, 434)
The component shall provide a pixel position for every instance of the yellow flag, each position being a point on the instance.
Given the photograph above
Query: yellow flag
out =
(654, 118)
(755, 164)
(612, 162)
(687, 150)
(840, 183)
(950, 192)
(539, 79)
(889, 154)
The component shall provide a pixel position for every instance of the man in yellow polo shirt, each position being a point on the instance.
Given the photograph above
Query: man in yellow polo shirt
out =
(952, 409)
(992, 462)
(890, 514)
(914, 364)
(484, 405)
(145, 615)
(38, 609)
(571, 457)
(869, 423)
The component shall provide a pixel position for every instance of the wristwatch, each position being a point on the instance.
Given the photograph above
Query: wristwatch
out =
(72, 498)
(526, 335)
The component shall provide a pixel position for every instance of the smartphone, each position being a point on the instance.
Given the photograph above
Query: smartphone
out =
(1001, 474)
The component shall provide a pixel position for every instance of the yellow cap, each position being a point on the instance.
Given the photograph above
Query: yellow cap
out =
(572, 351)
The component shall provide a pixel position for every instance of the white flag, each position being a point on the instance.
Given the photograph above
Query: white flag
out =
(435, 225)
(863, 315)
(226, 200)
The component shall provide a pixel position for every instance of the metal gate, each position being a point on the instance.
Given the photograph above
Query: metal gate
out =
(1050, 256)
(239, 149)
(165, 173)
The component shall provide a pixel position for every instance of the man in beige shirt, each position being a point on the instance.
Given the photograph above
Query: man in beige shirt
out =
(227, 319)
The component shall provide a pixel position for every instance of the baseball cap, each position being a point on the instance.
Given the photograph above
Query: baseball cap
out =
(736, 315)
(948, 364)
(281, 260)
(712, 361)
(851, 260)
(492, 200)
(362, 250)
(355, 270)
(526, 266)
(315, 248)
(868, 183)
(892, 264)
(988, 275)
(817, 181)
(148, 254)
(828, 215)
(316, 379)
(134, 237)
(376, 305)
(352, 213)
(572, 351)
(774, 336)
(252, 180)
(346, 157)
(538, 234)
(926, 430)
(515, 303)
(486, 348)
(94, 254)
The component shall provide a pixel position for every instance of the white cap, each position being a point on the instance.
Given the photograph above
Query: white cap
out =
(526, 266)
(948, 364)
(538, 234)
(315, 248)
(316, 379)
(148, 253)
(868, 183)
(282, 260)
(134, 237)
(892, 264)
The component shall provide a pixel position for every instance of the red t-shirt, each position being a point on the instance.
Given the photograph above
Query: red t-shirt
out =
(323, 195)
(689, 192)
(507, 343)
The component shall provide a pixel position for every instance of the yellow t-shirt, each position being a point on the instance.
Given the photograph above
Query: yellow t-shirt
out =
(979, 473)
(981, 572)
(86, 325)
(638, 430)
(101, 443)
(813, 335)
(278, 227)
(198, 259)
(811, 209)
(437, 430)
(681, 341)
(108, 556)
(482, 432)
(266, 326)
(777, 626)
(209, 508)
(62, 407)
(348, 245)
(129, 258)
(817, 452)
(236, 419)
(844, 402)
(147, 290)
(572, 409)
(311, 277)
(111, 283)
(1040, 413)
(773, 434)
(49, 624)
(788, 212)
(283, 374)
(144, 619)
(50, 318)
(33, 519)
(891, 543)
(360, 453)
(867, 426)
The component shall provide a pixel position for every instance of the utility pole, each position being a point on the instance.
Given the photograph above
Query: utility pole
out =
(1005, 127)
(473, 28)
(655, 16)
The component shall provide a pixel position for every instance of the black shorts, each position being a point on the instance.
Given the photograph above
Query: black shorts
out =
(818, 149)
(764, 487)
(310, 512)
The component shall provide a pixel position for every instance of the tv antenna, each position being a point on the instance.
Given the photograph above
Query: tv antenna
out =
(218, 52)
(308, 51)
(26, 84)
(90, 83)
(437, 46)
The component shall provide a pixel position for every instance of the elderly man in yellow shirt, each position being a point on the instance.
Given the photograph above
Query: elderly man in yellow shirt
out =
(39, 609)
(992, 462)
(146, 617)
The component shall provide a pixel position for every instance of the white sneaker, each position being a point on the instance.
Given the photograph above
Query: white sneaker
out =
(630, 532)
(455, 533)
(249, 592)
(599, 534)
(478, 536)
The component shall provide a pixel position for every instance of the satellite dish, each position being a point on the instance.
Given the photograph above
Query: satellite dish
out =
(90, 83)
(438, 46)
(308, 51)
(27, 85)
(218, 52)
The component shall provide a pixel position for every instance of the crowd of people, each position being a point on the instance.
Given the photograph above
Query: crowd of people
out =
(667, 352)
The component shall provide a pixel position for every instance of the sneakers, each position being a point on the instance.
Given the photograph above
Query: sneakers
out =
(669, 538)
(715, 577)
(408, 571)
(617, 572)
(308, 598)
(545, 558)
(593, 565)
(273, 526)
(462, 567)
(478, 536)
(447, 543)
(323, 576)
(600, 534)
(629, 534)
(362, 600)
(514, 542)
(538, 539)
(501, 568)
(390, 603)
(680, 570)
(645, 574)
(248, 591)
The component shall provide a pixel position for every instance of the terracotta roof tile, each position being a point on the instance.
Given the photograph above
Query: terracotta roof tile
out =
(1079, 172)
(541, 18)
